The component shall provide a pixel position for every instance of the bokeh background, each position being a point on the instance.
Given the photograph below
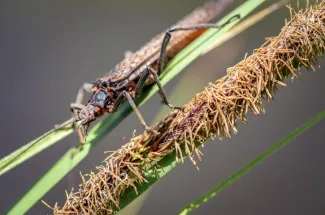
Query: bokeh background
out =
(49, 48)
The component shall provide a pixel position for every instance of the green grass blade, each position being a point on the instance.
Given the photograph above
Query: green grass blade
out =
(66, 163)
(212, 193)
(42, 186)
(22, 154)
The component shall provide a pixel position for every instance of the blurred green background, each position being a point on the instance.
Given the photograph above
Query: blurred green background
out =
(49, 48)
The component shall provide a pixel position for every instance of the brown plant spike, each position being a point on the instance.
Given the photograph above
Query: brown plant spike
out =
(212, 113)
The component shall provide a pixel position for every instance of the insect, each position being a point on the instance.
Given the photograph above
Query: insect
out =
(140, 69)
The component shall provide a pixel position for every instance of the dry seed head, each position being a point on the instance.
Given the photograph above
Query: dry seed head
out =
(212, 113)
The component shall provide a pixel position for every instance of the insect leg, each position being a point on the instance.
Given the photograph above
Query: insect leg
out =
(77, 105)
(119, 101)
(142, 80)
(186, 28)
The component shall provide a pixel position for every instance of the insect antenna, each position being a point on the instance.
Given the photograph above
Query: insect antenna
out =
(71, 121)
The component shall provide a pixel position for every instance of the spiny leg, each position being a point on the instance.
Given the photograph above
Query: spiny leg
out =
(142, 80)
(186, 28)
(119, 101)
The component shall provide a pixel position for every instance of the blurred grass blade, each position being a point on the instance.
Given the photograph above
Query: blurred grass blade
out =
(212, 193)
(179, 62)
(252, 20)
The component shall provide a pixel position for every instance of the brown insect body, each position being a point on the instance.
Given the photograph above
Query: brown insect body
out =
(126, 74)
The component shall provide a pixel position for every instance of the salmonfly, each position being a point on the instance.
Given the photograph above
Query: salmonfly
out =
(140, 69)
